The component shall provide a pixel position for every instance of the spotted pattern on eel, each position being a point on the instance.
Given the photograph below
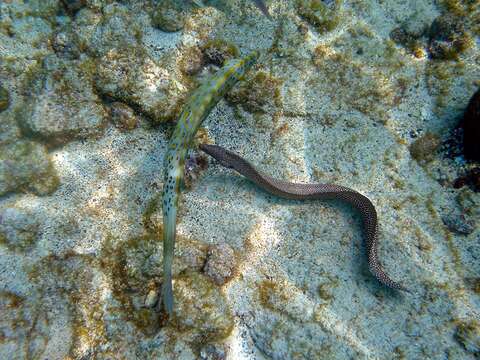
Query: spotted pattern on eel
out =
(298, 191)
(197, 108)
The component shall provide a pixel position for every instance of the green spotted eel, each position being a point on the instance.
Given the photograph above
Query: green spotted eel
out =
(197, 108)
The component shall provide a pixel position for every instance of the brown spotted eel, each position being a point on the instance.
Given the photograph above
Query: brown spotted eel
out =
(298, 191)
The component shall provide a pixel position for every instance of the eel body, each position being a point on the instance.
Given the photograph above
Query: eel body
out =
(197, 108)
(298, 191)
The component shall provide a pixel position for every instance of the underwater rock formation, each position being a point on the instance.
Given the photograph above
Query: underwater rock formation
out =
(471, 128)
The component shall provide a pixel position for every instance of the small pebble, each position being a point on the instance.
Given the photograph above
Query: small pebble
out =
(221, 263)
(123, 116)
(458, 224)
(151, 299)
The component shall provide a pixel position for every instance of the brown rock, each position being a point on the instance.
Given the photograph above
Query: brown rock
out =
(471, 128)
(220, 265)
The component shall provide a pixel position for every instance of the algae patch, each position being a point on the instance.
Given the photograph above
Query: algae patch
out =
(23, 326)
(323, 17)
(217, 51)
(424, 148)
(170, 15)
(352, 84)
(19, 228)
(468, 334)
(448, 38)
(25, 166)
(4, 99)
(258, 94)
(201, 308)
(282, 297)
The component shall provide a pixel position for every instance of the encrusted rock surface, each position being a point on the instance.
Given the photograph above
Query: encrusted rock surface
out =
(364, 94)
(25, 166)
(132, 76)
(220, 264)
(64, 105)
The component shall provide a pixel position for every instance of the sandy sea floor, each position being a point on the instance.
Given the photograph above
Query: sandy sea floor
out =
(366, 94)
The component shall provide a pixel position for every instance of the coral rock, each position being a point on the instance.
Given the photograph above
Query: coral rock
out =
(468, 334)
(123, 116)
(65, 108)
(448, 38)
(424, 149)
(220, 264)
(201, 307)
(471, 128)
(170, 16)
(74, 5)
(218, 51)
(131, 76)
(25, 166)
(18, 228)
(322, 15)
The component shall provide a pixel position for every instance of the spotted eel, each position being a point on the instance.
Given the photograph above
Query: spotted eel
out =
(297, 191)
(197, 108)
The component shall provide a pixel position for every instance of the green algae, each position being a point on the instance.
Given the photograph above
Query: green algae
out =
(360, 87)
(468, 10)
(27, 167)
(448, 38)
(170, 15)
(320, 15)
(424, 149)
(201, 308)
(23, 326)
(468, 334)
(191, 60)
(4, 99)
(258, 94)
(126, 279)
(441, 78)
(266, 289)
(217, 51)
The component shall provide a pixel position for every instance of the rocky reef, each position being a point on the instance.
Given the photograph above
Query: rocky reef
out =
(371, 95)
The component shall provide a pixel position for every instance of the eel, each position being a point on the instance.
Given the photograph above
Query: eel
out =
(196, 109)
(300, 191)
